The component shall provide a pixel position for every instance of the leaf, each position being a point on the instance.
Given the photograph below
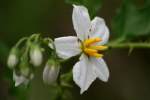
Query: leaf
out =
(92, 5)
(132, 21)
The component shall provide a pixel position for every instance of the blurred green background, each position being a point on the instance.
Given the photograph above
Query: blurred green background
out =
(127, 20)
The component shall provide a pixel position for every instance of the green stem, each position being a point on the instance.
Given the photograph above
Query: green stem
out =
(129, 45)
(28, 43)
(37, 37)
(54, 48)
(21, 41)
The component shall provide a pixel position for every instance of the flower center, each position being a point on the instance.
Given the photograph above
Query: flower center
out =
(90, 49)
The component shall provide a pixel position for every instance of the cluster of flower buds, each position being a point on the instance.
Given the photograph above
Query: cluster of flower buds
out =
(24, 60)
(20, 67)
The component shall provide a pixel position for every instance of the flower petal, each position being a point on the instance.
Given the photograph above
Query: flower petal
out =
(83, 74)
(81, 21)
(99, 29)
(100, 68)
(19, 79)
(67, 47)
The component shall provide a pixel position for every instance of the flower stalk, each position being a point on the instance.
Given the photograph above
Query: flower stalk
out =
(128, 45)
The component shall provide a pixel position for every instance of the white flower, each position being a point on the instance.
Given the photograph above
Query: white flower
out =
(51, 72)
(20, 79)
(36, 56)
(90, 40)
(12, 61)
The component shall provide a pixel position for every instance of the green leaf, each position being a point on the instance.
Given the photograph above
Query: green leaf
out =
(92, 5)
(132, 21)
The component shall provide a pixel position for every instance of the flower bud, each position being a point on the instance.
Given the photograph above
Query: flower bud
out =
(51, 72)
(51, 45)
(13, 58)
(36, 55)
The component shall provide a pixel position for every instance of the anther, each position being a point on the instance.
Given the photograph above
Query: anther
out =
(91, 41)
(99, 47)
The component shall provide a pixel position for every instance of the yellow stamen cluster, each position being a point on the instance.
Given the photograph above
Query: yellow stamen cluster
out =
(90, 49)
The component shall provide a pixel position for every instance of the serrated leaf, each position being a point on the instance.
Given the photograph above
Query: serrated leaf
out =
(92, 5)
(132, 21)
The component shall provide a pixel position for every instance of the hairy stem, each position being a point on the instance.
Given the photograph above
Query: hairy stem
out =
(129, 45)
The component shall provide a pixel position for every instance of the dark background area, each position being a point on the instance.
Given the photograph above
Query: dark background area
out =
(129, 74)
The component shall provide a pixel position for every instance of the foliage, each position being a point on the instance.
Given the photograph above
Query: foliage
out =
(132, 21)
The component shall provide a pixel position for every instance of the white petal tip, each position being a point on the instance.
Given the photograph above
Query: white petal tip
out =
(17, 84)
(82, 91)
(74, 5)
(100, 19)
(106, 78)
